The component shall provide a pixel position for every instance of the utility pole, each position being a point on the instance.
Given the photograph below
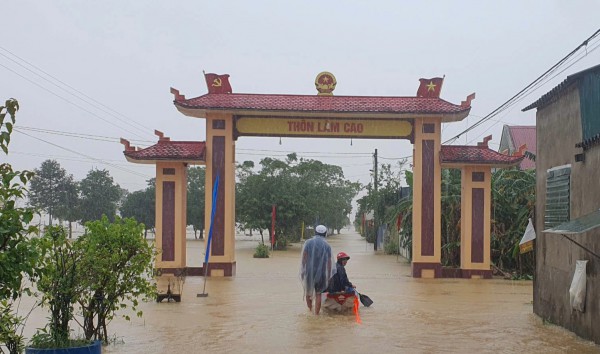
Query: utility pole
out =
(375, 213)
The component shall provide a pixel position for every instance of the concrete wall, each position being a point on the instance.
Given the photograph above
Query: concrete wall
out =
(558, 130)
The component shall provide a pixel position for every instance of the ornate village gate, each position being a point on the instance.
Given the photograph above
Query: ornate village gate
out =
(231, 115)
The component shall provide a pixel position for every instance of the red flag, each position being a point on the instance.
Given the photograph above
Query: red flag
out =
(217, 83)
(399, 222)
(430, 88)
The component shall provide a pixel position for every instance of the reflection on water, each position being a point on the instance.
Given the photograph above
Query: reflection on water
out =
(261, 310)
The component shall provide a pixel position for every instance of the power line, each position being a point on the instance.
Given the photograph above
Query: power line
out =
(86, 156)
(537, 81)
(68, 101)
(78, 135)
(537, 88)
(85, 98)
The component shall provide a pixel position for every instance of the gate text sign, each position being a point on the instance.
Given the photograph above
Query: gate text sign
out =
(356, 128)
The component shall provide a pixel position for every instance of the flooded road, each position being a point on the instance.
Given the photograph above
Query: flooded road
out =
(261, 310)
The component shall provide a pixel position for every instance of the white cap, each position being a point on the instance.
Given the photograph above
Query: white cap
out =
(321, 229)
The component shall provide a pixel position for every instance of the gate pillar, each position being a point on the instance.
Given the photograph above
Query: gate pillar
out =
(220, 160)
(475, 222)
(426, 247)
(170, 224)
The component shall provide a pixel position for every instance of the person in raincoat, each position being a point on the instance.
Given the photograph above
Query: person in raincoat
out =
(316, 268)
(340, 283)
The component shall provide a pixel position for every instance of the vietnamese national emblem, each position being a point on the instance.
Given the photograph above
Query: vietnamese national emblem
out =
(325, 83)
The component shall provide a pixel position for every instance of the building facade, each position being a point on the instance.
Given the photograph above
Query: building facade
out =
(567, 190)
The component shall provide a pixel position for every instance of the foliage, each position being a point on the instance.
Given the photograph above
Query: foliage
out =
(118, 262)
(10, 323)
(384, 200)
(18, 252)
(69, 209)
(45, 189)
(513, 192)
(58, 285)
(391, 246)
(451, 216)
(141, 206)
(99, 196)
(302, 190)
(195, 199)
(262, 251)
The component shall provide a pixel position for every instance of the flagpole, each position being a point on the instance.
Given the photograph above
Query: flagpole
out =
(210, 233)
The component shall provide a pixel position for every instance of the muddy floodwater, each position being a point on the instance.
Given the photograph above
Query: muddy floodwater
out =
(261, 310)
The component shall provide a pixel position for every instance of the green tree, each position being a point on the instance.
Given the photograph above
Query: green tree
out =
(302, 190)
(141, 205)
(513, 195)
(19, 253)
(118, 264)
(58, 288)
(69, 209)
(195, 199)
(46, 188)
(99, 196)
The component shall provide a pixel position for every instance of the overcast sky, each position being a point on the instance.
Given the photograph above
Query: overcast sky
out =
(125, 55)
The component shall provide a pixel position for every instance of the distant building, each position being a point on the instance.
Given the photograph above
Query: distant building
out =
(568, 201)
(516, 136)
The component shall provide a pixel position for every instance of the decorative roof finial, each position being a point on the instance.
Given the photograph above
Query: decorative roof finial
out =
(325, 83)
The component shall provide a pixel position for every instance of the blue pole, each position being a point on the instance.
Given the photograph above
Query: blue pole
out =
(210, 231)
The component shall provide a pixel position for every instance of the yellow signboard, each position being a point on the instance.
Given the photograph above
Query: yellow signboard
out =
(307, 127)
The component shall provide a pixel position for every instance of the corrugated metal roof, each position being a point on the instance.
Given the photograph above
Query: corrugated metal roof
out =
(579, 225)
(553, 94)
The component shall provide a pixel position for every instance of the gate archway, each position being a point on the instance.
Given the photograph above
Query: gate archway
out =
(230, 115)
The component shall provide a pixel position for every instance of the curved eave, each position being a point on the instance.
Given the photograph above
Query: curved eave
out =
(154, 161)
(203, 112)
(495, 164)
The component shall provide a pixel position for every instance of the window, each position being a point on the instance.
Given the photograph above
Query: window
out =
(558, 196)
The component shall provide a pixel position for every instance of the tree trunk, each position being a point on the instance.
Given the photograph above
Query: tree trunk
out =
(70, 229)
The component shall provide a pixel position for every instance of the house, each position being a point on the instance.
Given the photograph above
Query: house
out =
(516, 136)
(568, 201)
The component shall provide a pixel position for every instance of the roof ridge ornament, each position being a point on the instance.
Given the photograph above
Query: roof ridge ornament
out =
(178, 97)
(325, 83)
(161, 136)
(467, 102)
(484, 143)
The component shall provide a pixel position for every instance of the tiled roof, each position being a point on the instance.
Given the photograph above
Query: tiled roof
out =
(315, 103)
(476, 155)
(524, 135)
(192, 151)
(558, 90)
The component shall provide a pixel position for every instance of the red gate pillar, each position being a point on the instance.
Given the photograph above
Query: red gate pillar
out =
(171, 209)
(426, 247)
(220, 160)
(475, 222)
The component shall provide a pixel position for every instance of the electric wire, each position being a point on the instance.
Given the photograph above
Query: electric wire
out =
(536, 88)
(536, 82)
(85, 98)
(70, 102)
(87, 156)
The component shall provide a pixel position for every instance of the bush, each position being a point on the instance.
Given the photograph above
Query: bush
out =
(281, 244)
(262, 251)
(391, 246)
